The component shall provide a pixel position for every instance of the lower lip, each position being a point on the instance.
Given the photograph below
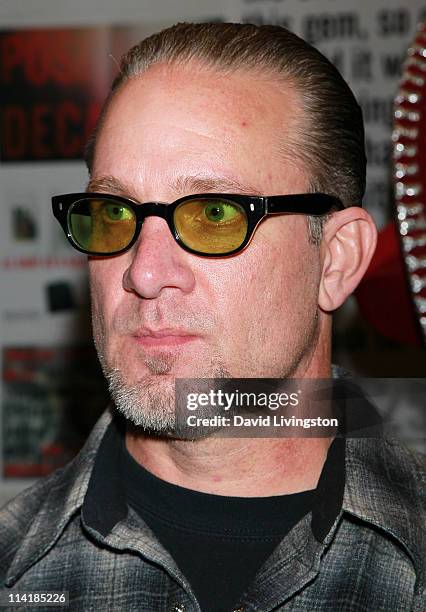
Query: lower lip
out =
(164, 341)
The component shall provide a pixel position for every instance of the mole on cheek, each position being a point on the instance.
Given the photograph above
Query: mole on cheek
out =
(243, 123)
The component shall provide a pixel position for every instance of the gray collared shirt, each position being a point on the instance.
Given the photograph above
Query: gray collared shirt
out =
(366, 553)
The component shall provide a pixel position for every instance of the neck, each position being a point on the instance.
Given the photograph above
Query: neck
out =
(234, 467)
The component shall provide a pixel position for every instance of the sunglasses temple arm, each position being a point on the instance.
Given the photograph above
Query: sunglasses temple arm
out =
(310, 204)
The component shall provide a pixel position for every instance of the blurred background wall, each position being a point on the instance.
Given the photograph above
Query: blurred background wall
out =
(57, 60)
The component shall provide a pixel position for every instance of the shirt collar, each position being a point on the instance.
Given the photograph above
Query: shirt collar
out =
(105, 502)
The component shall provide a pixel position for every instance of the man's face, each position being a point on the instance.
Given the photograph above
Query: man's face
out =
(159, 312)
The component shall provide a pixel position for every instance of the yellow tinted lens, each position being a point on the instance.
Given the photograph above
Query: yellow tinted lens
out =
(101, 226)
(211, 226)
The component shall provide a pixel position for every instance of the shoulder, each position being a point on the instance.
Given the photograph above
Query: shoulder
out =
(17, 516)
(32, 521)
(385, 488)
(389, 468)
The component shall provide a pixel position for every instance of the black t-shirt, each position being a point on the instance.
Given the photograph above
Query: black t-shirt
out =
(218, 542)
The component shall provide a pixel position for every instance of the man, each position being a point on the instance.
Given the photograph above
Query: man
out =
(204, 287)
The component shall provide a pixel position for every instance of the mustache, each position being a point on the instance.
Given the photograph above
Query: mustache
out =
(129, 321)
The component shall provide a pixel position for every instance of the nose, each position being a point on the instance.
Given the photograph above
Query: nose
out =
(157, 262)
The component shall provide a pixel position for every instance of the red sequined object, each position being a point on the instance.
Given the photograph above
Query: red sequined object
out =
(409, 162)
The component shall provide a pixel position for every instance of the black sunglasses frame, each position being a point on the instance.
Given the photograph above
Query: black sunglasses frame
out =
(256, 207)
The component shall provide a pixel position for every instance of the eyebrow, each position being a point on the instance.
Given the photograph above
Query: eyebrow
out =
(181, 185)
(200, 183)
(108, 184)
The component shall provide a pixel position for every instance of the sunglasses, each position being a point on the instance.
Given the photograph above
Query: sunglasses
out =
(208, 224)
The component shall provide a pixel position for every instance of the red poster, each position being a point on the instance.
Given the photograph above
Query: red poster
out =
(52, 85)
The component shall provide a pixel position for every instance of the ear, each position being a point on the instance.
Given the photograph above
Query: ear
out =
(349, 242)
